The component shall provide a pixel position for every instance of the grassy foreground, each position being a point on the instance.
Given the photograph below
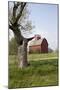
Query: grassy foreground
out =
(41, 72)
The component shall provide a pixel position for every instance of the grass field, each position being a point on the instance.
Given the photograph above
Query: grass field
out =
(43, 71)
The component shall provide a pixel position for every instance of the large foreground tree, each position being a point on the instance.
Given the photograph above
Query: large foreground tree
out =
(17, 22)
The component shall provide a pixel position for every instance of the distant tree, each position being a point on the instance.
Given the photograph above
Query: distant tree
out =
(50, 50)
(13, 47)
(57, 50)
(18, 21)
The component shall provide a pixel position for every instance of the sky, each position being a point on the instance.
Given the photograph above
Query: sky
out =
(45, 19)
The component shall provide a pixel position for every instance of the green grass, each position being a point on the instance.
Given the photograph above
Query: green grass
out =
(43, 56)
(39, 73)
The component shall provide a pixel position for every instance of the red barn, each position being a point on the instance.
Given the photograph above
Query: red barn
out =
(39, 45)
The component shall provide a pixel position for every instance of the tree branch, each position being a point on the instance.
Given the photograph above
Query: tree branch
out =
(29, 39)
(20, 13)
(11, 27)
(15, 8)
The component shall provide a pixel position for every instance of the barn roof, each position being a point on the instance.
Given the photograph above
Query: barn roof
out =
(36, 42)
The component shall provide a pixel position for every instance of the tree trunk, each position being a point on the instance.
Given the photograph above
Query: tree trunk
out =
(22, 55)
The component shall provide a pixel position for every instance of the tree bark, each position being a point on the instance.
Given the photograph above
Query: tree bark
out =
(22, 55)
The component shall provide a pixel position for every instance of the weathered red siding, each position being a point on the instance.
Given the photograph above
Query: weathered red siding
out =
(36, 48)
(43, 48)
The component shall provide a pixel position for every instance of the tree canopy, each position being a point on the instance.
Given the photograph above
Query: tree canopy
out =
(18, 19)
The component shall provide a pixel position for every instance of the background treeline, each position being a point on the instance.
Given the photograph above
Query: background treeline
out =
(13, 47)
